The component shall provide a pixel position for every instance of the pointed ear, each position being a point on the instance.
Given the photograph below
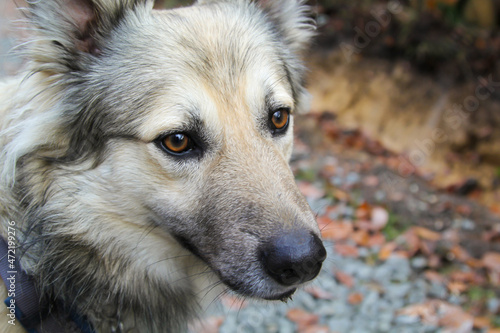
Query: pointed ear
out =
(69, 29)
(293, 21)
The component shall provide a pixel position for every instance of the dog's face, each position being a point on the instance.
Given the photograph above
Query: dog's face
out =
(192, 110)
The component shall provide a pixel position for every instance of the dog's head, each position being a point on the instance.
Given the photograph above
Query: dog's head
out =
(188, 116)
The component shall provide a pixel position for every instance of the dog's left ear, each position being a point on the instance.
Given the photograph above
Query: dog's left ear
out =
(68, 31)
(290, 17)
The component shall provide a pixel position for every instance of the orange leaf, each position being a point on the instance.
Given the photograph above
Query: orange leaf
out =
(434, 276)
(361, 237)
(346, 250)
(378, 239)
(344, 278)
(387, 250)
(355, 298)
(233, 302)
(437, 312)
(302, 318)
(337, 231)
(316, 329)
(323, 222)
(482, 323)
(319, 293)
(428, 234)
(207, 325)
(371, 181)
(491, 260)
(310, 191)
(340, 195)
(495, 208)
(456, 287)
(363, 212)
(474, 263)
(460, 253)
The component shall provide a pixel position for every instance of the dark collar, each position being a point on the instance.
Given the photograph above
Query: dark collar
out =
(24, 301)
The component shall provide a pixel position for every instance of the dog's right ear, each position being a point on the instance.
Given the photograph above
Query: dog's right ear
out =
(71, 30)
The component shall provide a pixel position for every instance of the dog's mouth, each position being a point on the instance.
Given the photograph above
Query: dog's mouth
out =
(282, 297)
(272, 277)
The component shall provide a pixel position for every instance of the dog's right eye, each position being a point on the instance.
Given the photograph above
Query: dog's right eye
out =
(177, 144)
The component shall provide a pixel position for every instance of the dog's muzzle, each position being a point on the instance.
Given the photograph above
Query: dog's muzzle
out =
(294, 257)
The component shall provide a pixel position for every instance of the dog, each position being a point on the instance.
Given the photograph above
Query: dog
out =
(145, 161)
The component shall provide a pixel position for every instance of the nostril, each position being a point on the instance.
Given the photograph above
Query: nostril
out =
(294, 257)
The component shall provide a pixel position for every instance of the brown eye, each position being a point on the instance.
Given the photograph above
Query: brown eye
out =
(279, 119)
(177, 143)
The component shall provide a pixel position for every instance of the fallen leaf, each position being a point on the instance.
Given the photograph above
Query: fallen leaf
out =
(233, 302)
(377, 239)
(207, 325)
(361, 237)
(491, 260)
(363, 212)
(456, 287)
(474, 263)
(379, 218)
(455, 319)
(302, 318)
(344, 279)
(437, 312)
(495, 208)
(482, 323)
(461, 276)
(428, 234)
(371, 181)
(315, 329)
(434, 276)
(319, 293)
(323, 222)
(410, 241)
(401, 254)
(386, 250)
(459, 253)
(310, 191)
(363, 224)
(346, 250)
(337, 231)
(340, 195)
(355, 298)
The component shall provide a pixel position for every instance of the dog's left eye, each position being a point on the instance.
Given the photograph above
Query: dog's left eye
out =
(279, 120)
(177, 144)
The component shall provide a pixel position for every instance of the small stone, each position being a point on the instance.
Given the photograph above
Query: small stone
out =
(438, 290)
(339, 325)
(352, 178)
(407, 320)
(419, 262)
(285, 326)
(493, 305)
(397, 290)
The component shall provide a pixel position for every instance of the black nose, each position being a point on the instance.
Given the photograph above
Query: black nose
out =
(294, 257)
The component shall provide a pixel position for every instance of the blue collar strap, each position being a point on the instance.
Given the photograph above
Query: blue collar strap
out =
(23, 301)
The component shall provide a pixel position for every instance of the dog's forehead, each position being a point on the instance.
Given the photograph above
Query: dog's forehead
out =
(218, 65)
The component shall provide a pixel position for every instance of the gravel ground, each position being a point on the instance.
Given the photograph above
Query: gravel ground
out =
(356, 292)
(383, 288)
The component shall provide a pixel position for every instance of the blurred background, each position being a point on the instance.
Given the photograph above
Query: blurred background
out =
(400, 159)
